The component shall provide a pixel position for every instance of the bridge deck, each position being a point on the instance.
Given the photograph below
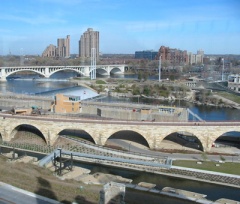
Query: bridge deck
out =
(120, 122)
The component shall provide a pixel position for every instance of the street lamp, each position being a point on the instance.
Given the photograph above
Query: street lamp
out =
(222, 68)
(159, 68)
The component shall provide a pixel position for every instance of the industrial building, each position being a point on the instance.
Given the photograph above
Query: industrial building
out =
(66, 104)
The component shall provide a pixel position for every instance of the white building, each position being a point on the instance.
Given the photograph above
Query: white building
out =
(234, 82)
(196, 58)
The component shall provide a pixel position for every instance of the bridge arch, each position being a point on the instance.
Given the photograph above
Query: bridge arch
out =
(183, 140)
(129, 135)
(230, 138)
(24, 70)
(197, 132)
(61, 70)
(77, 133)
(115, 70)
(27, 133)
(100, 71)
(221, 131)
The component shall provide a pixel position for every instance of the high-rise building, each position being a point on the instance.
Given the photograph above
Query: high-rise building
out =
(50, 51)
(196, 58)
(173, 56)
(89, 40)
(62, 49)
(200, 52)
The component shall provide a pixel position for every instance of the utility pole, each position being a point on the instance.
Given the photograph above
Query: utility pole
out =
(93, 63)
(159, 68)
(93, 60)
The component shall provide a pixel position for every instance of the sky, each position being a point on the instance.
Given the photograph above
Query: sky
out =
(125, 26)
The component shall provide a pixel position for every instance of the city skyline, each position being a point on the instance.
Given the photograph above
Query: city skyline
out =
(28, 26)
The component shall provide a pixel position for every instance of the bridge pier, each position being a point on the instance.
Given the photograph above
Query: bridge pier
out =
(5, 133)
(3, 79)
(3, 75)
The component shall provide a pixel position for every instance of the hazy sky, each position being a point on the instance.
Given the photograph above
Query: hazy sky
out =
(125, 26)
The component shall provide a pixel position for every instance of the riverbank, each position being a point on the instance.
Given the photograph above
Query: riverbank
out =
(98, 177)
(41, 181)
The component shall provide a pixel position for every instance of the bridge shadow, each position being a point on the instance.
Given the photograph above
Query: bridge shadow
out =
(45, 189)
(129, 136)
(79, 200)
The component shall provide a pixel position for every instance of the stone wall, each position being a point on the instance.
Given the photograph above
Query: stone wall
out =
(100, 131)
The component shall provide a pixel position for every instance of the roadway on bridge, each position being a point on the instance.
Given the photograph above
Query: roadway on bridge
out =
(120, 122)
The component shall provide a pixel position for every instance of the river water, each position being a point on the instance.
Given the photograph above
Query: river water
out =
(59, 83)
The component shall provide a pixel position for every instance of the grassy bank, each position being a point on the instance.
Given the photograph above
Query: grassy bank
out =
(228, 167)
(42, 182)
(229, 96)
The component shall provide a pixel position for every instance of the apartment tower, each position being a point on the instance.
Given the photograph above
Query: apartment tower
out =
(89, 40)
(63, 47)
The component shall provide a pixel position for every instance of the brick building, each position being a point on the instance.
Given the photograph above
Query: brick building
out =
(62, 49)
(173, 56)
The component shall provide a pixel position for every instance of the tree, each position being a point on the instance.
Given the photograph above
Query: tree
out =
(145, 76)
(140, 75)
(146, 90)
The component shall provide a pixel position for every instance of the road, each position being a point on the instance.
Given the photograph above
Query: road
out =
(135, 148)
(12, 195)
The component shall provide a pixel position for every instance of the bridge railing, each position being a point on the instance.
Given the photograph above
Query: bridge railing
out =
(120, 152)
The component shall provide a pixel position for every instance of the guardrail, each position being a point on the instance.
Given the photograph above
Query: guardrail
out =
(115, 151)
(106, 158)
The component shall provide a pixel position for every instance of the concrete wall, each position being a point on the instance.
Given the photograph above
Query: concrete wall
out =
(126, 114)
(25, 103)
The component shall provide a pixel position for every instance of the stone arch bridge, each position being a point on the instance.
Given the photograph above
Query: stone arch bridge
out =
(47, 71)
(100, 131)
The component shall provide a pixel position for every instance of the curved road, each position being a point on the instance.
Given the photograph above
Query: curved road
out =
(175, 156)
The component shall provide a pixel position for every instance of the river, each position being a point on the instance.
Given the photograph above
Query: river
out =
(59, 83)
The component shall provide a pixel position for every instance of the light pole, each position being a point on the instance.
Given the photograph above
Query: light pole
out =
(159, 68)
(222, 68)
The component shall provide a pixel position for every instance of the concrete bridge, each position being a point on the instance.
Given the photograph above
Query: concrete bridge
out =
(47, 71)
(100, 131)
